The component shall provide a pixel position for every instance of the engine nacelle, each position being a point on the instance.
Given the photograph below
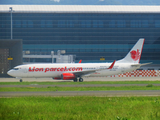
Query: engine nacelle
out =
(56, 78)
(68, 76)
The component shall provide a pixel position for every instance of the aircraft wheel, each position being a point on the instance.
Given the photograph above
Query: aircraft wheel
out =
(80, 79)
(75, 80)
(20, 80)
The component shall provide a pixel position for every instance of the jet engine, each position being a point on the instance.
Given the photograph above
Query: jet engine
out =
(68, 76)
(57, 78)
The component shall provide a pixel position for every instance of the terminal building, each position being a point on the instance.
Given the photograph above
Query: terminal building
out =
(91, 33)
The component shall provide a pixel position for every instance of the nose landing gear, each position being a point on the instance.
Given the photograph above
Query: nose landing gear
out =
(20, 80)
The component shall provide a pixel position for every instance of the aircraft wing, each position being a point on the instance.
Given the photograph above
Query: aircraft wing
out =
(82, 73)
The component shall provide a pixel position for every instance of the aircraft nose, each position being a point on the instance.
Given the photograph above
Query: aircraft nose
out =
(10, 73)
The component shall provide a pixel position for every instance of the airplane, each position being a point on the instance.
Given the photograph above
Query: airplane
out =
(75, 71)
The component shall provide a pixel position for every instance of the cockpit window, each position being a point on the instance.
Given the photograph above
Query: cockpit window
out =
(16, 69)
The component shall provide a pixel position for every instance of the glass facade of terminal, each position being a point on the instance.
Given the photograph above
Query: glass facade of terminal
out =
(89, 36)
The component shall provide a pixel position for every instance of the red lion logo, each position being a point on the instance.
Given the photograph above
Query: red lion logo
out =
(135, 55)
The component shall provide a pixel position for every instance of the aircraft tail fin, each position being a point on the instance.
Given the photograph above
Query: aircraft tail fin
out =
(134, 54)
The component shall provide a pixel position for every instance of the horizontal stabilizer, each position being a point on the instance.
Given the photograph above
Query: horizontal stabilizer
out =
(139, 65)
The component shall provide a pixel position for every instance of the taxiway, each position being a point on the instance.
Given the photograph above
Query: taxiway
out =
(84, 93)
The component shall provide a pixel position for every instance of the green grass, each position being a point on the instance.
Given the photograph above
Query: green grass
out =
(104, 88)
(79, 83)
(80, 108)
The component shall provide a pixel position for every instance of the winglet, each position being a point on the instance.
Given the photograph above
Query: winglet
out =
(110, 67)
(80, 61)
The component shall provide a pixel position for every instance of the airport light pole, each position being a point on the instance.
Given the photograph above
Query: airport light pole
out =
(52, 54)
(11, 21)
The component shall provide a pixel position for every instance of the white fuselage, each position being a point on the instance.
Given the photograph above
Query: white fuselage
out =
(56, 70)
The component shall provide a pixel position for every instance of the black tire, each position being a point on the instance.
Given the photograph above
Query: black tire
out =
(75, 80)
(80, 79)
(20, 80)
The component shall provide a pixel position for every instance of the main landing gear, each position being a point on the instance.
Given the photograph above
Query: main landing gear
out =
(80, 79)
(75, 80)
